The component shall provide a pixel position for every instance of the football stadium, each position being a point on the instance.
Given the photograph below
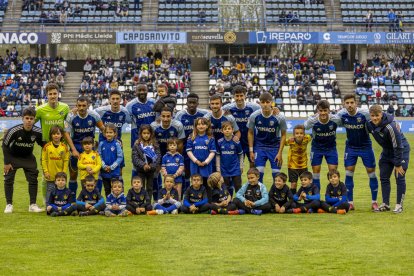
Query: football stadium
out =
(208, 137)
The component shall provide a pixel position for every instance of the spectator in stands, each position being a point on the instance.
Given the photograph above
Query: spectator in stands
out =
(404, 111)
(283, 17)
(369, 19)
(292, 92)
(316, 97)
(87, 67)
(391, 20)
(77, 10)
(399, 22)
(201, 17)
(385, 98)
(300, 99)
(393, 99)
(63, 17)
(344, 59)
(136, 4)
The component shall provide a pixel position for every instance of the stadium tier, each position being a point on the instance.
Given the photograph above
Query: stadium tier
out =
(189, 11)
(82, 11)
(23, 81)
(99, 78)
(295, 12)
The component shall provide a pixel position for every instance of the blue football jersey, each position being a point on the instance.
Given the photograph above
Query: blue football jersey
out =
(267, 130)
(323, 135)
(80, 128)
(201, 146)
(141, 114)
(216, 124)
(172, 163)
(175, 130)
(356, 131)
(188, 120)
(229, 152)
(117, 118)
(242, 117)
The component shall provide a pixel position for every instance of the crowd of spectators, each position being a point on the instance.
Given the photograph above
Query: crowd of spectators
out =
(379, 82)
(299, 73)
(102, 75)
(3, 5)
(23, 80)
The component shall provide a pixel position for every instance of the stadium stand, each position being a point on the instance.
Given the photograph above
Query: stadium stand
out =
(296, 84)
(100, 76)
(389, 83)
(354, 12)
(295, 12)
(81, 12)
(191, 11)
(22, 81)
(3, 8)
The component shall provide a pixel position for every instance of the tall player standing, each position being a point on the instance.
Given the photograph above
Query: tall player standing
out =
(358, 144)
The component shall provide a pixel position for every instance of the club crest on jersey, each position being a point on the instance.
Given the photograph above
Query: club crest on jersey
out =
(93, 157)
(272, 123)
(61, 113)
(33, 138)
(177, 160)
(206, 142)
(330, 127)
(141, 197)
(90, 122)
(121, 117)
(171, 133)
(283, 194)
(200, 195)
(247, 112)
(359, 119)
(62, 153)
(65, 197)
(112, 148)
(232, 146)
(94, 196)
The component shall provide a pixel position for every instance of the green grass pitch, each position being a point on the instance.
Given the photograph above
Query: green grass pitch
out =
(359, 243)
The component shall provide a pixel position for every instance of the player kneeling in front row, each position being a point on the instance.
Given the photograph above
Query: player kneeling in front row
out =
(307, 199)
(61, 201)
(90, 201)
(138, 200)
(280, 196)
(336, 200)
(220, 196)
(195, 197)
(168, 198)
(252, 198)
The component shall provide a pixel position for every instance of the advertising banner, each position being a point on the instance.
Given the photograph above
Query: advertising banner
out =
(23, 38)
(283, 37)
(151, 37)
(85, 37)
(218, 37)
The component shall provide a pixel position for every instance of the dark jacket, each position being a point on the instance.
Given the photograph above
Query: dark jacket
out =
(168, 101)
(139, 159)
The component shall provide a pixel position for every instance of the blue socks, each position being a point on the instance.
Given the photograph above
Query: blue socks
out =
(373, 185)
(349, 183)
(317, 180)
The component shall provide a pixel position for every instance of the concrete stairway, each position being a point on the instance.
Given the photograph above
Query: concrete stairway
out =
(333, 15)
(71, 90)
(12, 16)
(345, 82)
(199, 85)
(149, 15)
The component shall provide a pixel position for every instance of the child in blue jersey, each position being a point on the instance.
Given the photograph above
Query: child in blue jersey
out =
(173, 164)
(241, 111)
(265, 133)
(116, 201)
(252, 198)
(112, 156)
(358, 144)
(201, 149)
(138, 200)
(90, 201)
(336, 200)
(195, 197)
(307, 199)
(229, 158)
(168, 199)
(146, 157)
(61, 201)
(220, 197)
(395, 156)
(323, 126)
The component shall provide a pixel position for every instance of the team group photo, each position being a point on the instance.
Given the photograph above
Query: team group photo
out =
(215, 137)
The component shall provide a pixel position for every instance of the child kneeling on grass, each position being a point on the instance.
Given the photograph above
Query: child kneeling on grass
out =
(195, 197)
(336, 200)
(116, 201)
(90, 201)
(138, 200)
(252, 197)
(168, 198)
(61, 201)
(280, 196)
(307, 199)
(220, 196)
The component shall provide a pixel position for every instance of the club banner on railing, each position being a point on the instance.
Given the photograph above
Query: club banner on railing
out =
(151, 37)
(23, 38)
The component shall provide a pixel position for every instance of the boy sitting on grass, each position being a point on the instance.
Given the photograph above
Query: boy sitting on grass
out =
(307, 199)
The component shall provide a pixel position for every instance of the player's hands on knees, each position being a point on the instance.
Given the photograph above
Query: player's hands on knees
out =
(399, 171)
(282, 210)
(277, 208)
(7, 168)
(49, 208)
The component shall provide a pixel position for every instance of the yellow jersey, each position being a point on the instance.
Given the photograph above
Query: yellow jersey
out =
(297, 155)
(55, 159)
(93, 160)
